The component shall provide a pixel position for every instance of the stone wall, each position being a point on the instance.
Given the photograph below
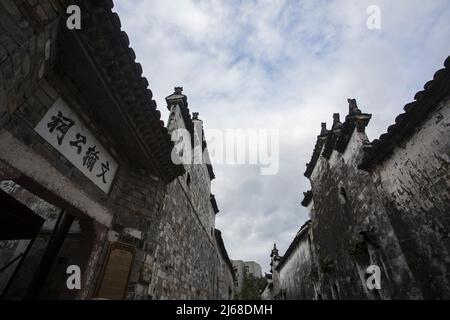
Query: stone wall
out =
(27, 50)
(170, 227)
(227, 275)
(168, 222)
(187, 263)
(186, 260)
(352, 230)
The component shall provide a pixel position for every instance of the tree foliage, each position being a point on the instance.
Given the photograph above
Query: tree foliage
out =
(252, 287)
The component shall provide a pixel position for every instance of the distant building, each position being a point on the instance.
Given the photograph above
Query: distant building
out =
(242, 267)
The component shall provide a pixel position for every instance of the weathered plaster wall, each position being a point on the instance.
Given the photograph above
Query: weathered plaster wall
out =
(415, 183)
(352, 230)
(296, 272)
(394, 215)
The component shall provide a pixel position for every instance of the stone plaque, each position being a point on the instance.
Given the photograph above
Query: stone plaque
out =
(64, 130)
(116, 272)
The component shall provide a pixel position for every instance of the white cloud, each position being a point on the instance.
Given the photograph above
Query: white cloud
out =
(285, 64)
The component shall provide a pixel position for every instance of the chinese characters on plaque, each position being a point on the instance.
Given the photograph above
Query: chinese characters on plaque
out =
(64, 130)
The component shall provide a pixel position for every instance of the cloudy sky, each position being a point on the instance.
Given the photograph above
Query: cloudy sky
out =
(286, 65)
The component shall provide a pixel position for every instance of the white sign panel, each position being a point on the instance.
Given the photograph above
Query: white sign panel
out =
(64, 130)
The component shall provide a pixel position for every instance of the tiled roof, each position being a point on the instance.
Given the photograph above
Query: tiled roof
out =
(109, 46)
(405, 123)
